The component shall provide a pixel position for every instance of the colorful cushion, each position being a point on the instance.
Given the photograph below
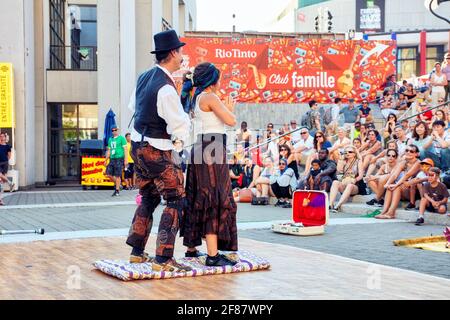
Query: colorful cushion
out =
(126, 271)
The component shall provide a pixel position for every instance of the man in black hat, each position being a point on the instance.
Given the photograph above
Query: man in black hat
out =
(159, 120)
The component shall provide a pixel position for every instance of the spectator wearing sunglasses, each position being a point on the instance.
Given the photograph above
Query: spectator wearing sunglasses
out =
(435, 196)
(365, 113)
(405, 170)
(304, 147)
(370, 149)
(283, 183)
(286, 154)
(349, 173)
(376, 182)
(323, 179)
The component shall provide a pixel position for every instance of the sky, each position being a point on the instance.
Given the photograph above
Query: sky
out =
(251, 15)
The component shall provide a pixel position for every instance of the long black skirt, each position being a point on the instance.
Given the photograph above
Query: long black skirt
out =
(210, 207)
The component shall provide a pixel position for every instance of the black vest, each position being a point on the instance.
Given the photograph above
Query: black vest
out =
(147, 121)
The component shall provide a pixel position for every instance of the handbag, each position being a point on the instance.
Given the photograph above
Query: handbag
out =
(245, 195)
(348, 178)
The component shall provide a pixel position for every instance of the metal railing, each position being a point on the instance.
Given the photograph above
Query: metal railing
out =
(73, 58)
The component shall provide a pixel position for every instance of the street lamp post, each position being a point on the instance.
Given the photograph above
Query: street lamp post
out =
(234, 25)
(433, 5)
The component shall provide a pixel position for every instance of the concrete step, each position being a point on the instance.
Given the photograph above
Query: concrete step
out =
(410, 216)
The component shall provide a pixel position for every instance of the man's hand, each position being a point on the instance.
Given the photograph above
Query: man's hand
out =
(317, 179)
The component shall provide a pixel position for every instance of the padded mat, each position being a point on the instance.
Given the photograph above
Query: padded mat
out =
(434, 243)
(126, 271)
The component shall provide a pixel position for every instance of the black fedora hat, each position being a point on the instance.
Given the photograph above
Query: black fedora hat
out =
(166, 41)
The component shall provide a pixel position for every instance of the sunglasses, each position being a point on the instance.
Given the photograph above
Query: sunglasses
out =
(410, 151)
(114, 130)
(392, 156)
(282, 164)
(319, 136)
(348, 152)
(303, 132)
(283, 149)
(425, 165)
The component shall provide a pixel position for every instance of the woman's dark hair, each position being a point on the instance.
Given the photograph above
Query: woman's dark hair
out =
(395, 117)
(315, 140)
(426, 133)
(356, 139)
(374, 131)
(443, 113)
(287, 148)
(205, 75)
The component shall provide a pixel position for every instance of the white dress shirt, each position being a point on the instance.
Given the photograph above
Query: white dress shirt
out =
(170, 109)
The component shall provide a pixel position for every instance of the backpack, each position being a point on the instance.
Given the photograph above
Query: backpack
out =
(304, 122)
(326, 115)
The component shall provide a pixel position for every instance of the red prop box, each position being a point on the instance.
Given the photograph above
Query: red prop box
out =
(309, 212)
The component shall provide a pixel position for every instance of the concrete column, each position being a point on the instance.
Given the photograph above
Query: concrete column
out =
(127, 59)
(175, 15)
(182, 18)
(41, 24)
(144, 34)
(17, 47)
(108, 33)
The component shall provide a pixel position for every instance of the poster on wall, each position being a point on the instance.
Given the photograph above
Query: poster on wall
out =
(6, 96)
(370, 15)
(262, 70)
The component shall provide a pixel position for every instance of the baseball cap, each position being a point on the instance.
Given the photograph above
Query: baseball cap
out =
(427, 161)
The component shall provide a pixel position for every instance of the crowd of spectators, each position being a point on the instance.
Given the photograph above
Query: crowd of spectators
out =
(348, 149)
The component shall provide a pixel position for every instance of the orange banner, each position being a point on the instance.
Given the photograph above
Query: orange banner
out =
(256, 70)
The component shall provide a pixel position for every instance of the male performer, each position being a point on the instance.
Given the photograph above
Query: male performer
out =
(159, 120)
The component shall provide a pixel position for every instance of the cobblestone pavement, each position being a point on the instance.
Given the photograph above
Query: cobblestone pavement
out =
(371, 243)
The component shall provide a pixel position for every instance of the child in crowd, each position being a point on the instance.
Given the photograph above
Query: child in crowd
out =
(435, 196)
(416, 184)
(315, 170)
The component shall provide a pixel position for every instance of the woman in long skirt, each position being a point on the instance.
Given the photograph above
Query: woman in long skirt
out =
(211, 210)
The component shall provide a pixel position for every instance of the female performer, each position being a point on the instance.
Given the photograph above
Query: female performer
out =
(211, 210)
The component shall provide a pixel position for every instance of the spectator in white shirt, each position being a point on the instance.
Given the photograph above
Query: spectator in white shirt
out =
(304, 147)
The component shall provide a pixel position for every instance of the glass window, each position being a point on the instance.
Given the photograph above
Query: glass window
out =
(407, 62)
(69, 124)
(434, 54)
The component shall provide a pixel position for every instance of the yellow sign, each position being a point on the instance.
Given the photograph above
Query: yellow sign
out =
(93, 172)
(6, 96)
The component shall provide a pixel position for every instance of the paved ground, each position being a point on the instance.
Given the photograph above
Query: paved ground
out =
(371, 243)
(76, 211)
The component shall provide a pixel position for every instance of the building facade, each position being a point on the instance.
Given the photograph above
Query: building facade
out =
(73, 61)
(379, 19)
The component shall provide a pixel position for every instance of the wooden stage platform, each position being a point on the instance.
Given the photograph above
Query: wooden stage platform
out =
(48, 270)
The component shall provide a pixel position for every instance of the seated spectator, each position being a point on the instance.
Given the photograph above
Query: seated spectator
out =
(410, 94)
(411, 125)
(326, 176)
(422, 139)
(356, 131)
(243, 135)
(365, 113)
(320, 142)
(283, 183)
(402, 140)
(389, 127)
(416, 184)
(427, 116)
(295, 136)
(286, 154)
(240, 153)
(441, 115)
(272, 147)
(337, 150)
(357, 143)
(313, 173)
(435, 196)
(251, 174)
(363, 133)
(405, 125)
(235, 173)
(370, 149)
(381, 158)
(441, 146)
(263, 181)
(405, 170)
(350, 112)
(269, 130)
(304, 147)
(350, 171)
(388, 106)
(402, 102)
(377, 182)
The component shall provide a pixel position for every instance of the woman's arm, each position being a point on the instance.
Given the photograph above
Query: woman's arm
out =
(375, 148)
(224, 111)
